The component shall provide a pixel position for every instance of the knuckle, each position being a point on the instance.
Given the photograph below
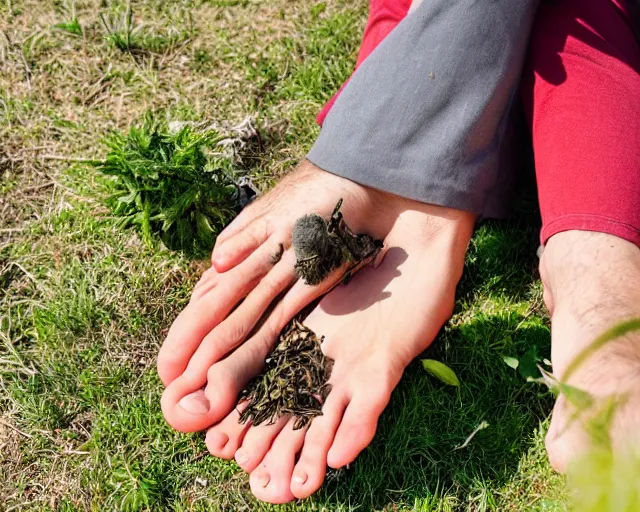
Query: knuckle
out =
(234, 333)
(212, 347)
(264, 225)
(262, 343)
(202, 288)
(218, 373)
(270, 285)
(192, 378)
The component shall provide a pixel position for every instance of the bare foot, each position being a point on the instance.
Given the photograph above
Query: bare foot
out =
(236, 291)
(373, 327)
(591, 283)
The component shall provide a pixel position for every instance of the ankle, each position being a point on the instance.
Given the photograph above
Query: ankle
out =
(583, 269)
(591, 283)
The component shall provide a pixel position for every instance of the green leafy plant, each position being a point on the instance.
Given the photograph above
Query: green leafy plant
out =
(72, 25)
(171, 183)
(526, 365)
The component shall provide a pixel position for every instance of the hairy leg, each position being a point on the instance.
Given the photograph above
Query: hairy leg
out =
(592, 283)
(580, 88)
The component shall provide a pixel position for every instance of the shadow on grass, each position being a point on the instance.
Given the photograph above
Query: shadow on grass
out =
(415, 457)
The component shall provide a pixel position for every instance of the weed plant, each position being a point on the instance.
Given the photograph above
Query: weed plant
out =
(123, 33)
(171, 184)
(71, 25)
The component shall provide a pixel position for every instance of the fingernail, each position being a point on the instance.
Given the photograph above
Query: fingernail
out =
(195, 403)
(241, 456)
(264, 479)
(300, 477)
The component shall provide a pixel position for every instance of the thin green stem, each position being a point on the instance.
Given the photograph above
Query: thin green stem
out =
(609, 335)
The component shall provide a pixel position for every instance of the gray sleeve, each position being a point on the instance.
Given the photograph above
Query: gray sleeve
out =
(426, 114)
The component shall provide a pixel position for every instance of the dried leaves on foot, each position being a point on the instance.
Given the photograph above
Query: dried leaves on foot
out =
(294, 381)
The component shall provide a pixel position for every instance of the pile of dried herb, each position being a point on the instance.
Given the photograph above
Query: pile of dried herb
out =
(296, 374)
(294, 380)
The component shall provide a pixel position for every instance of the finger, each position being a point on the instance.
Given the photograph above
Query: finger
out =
(239, 246)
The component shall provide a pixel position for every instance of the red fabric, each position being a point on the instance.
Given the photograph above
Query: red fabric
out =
(581, 90)
(384, 15)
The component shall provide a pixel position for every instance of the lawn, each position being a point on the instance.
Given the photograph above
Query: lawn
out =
(85, 302)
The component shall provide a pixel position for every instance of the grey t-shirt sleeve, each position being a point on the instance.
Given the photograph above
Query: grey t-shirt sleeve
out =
(426, 115)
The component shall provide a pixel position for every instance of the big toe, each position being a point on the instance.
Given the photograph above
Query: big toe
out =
(184, 403)
(187, 410)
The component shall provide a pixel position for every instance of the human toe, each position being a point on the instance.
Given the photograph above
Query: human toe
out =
(223, 439)
(271, 480)
(309, 472)
(358, 426)
(256, 444)
(191, 411)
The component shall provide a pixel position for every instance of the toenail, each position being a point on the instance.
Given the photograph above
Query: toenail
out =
(241, 456)
(264, 479)
(195, 403)
(300, 478)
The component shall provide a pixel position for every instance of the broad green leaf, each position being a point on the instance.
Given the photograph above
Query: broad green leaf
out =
(441, 372)
(511, 361)
(528, 364)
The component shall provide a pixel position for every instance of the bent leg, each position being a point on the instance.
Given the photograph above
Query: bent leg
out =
(384, 16)
(582, 93)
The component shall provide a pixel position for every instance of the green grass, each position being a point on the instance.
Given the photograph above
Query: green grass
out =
(122, 32)
(85, 304)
